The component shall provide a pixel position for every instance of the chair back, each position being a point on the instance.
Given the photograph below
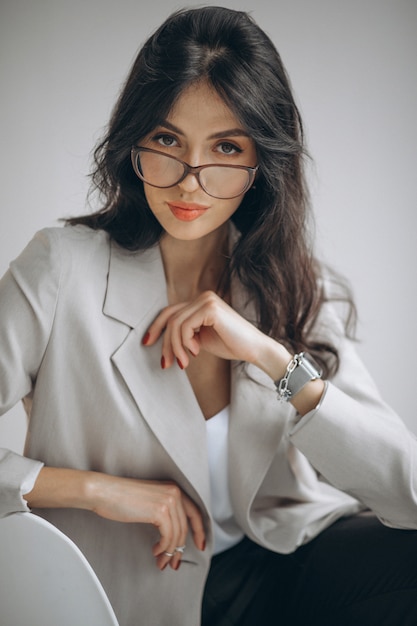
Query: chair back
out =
(45, 580)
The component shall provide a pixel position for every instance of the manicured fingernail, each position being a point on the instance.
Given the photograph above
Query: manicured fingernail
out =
(163, 362)
(145, 338)
(162, 568)
(180, 364)
(177, 566)
(204, 545)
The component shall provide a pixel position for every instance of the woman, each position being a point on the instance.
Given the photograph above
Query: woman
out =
(150, 341)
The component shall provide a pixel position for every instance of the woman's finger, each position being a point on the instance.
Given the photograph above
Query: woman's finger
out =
(195, 522)
(158, 326)
(181, 539)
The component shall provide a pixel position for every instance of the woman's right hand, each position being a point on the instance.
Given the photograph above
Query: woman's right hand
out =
(129, 500)
(162, 504)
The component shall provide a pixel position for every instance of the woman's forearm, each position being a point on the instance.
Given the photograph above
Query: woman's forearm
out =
(61, 488)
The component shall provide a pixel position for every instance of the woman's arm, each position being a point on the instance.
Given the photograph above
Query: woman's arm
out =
(127, 500)
(347, 433)
(29, 294)
(28, 297)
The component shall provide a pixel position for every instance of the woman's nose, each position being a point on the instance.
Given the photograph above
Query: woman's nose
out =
(190, 183)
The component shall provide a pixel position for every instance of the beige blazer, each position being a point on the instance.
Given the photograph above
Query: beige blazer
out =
(73, 310)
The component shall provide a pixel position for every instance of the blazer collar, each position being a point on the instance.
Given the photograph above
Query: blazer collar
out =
(135, 284)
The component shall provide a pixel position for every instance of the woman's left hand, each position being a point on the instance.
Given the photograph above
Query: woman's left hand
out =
(209, 323)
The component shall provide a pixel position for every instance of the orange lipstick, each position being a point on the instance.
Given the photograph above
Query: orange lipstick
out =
(187, 211)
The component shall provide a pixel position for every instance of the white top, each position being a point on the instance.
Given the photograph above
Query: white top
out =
(227, 533)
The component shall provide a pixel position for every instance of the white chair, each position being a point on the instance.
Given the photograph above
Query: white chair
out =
(45, 580)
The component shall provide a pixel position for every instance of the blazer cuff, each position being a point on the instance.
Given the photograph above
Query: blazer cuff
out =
(301, 420)
(19, 475)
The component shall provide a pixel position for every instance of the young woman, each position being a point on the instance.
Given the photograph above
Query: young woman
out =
(200, 423)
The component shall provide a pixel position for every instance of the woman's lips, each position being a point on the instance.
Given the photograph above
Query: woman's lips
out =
(186, 211)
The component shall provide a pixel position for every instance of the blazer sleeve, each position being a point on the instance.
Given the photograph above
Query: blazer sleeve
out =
(28, 297)
(359, 444)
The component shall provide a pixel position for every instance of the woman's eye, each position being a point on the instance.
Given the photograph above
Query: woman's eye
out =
(167, 141)
(228, 148)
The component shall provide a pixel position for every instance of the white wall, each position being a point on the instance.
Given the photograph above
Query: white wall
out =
(353, 70)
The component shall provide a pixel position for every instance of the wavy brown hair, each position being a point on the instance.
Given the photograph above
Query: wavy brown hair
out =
(273, 257)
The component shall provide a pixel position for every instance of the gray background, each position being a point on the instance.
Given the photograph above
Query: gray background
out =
(353, 70)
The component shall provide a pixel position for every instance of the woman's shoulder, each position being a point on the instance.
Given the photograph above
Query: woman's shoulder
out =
(72, 241)
(76, 238)
(60, 250)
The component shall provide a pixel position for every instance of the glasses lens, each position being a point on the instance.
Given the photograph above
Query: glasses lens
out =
(224, 182)
(159, 170)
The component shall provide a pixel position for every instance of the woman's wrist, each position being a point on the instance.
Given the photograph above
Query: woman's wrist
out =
(273, 358)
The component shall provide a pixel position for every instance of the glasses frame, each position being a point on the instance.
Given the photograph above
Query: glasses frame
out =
(189, 169)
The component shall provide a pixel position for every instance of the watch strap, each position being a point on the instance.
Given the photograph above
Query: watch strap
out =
(300, 371)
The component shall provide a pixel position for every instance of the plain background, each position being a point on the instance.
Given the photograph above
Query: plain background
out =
(353, 70)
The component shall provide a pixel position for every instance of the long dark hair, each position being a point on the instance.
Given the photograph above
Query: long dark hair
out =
(273, 258)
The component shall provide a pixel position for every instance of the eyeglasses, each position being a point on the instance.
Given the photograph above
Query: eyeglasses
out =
(163, 170)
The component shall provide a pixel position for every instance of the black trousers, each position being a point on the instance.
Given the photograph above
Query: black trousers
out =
(355, 573)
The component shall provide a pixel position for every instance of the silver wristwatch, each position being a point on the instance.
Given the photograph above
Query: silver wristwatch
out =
(300, 370)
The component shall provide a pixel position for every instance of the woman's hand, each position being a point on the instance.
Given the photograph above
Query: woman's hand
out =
(162, 504)
(209, 323)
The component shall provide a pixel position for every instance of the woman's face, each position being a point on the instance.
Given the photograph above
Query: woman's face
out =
(200, 129)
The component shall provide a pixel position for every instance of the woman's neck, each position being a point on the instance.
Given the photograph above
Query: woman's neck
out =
(192, 267)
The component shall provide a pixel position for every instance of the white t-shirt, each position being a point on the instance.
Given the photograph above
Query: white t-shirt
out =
(227, 533)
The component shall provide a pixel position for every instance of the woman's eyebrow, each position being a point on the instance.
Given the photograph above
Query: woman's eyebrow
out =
(231, 132)
(170, 126)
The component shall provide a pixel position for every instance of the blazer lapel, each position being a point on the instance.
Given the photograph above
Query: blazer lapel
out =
(257, 426)
(135, 295)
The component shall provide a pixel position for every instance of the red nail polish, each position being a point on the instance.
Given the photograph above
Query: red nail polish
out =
(145, 338)
(177, 566)
(204, 545)
(163, 362)
(180, 364)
